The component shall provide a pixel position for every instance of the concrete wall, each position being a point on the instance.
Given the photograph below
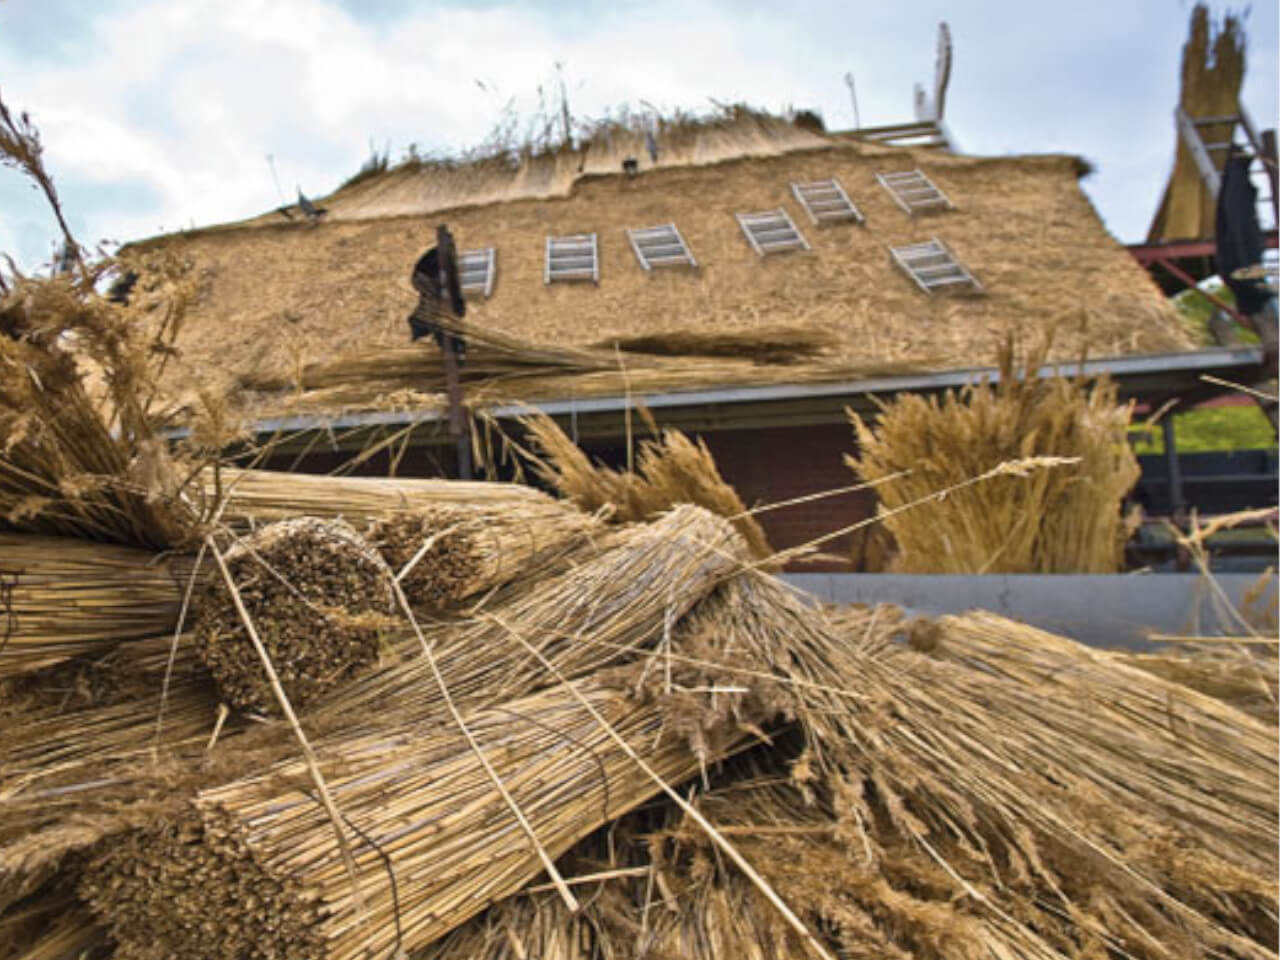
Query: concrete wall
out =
(1118, 610)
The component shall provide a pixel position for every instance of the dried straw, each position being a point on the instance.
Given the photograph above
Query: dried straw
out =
(1244, 678)
(72, 464)
(60, 597)
(1066, 520)
(669, 470)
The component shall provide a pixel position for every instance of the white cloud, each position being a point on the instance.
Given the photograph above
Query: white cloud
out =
(189, 97)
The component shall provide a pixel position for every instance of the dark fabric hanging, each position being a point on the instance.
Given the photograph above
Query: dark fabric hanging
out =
(1239, 237)
(435, 277)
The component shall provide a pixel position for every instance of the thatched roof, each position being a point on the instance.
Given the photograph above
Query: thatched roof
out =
(279, 299)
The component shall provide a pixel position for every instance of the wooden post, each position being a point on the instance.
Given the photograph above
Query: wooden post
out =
(459, 428)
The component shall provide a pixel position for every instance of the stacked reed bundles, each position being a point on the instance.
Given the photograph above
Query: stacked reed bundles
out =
(459, 551)
(79, 753)
(60, 597)
(262, 496)
(670, 470)
(320, 599)
(491, 356)
(655, 887)
(618, 602)
(1213, 69)
(1066, 520)
(1095, 830)
(433, 840)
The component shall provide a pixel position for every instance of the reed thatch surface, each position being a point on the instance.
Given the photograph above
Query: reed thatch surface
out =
(275, 300)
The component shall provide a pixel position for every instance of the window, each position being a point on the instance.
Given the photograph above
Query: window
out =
(915, 192)
(771, 231)
(660, 247)
(826, 202)
(933, 267)
(573, 257)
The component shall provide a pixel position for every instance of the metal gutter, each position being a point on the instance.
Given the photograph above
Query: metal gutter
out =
(1221, 360)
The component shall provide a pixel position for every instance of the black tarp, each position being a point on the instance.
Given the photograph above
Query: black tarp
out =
(1239, 237)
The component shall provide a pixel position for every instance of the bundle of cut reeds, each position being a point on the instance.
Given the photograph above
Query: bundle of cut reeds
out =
(491, 355)
(80, 745)
(433, 841)
(444, 554)
(320, 598)
(620, 599)
(73, 464)
(670, 470)
(1066, 520)
(1043, 799)
(60, 597)
(1205, 764)
(1241, 675)
(261, 496)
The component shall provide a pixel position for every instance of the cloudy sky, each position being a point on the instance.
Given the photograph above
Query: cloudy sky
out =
(160, 114)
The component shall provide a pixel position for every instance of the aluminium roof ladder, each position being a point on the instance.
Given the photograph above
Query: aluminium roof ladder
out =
(771, 231)
(915, 192)
(933, 267)
(826, 202)
(660, 247)
(573, 257)
(476, 269)
(1209, 156)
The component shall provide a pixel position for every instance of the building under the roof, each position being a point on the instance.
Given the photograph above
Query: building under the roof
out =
(749, 285)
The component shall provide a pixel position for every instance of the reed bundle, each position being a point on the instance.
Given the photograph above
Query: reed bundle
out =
(491, 355)
(448, 553)
(622, 599)
(1057, 521)
(72, 464)
(1239, 677)
(79, 748)
(1204, 764)
(254, 497)
(435, 844)
(320, 597)
(53, 927)
(654, 887)
(60, 597)
(671, 469)
(1041, 805)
